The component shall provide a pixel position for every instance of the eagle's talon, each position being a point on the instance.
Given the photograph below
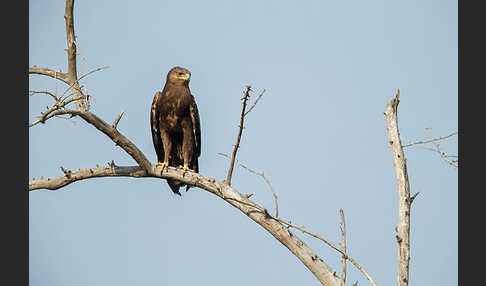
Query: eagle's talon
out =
(163, 165)
(185, 169)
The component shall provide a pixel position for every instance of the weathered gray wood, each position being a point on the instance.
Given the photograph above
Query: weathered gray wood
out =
(404, 201)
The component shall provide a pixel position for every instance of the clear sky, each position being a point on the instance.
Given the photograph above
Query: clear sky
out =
(319, 134)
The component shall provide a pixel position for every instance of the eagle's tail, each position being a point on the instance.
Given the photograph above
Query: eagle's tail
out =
(175, 185)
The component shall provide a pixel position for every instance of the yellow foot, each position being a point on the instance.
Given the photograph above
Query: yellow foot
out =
(185, 170)
(163, 165)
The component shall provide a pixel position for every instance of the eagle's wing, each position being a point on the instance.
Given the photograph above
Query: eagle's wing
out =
(196, 127)
(154, 126)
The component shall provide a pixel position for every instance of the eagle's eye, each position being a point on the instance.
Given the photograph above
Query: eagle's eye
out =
(181, 73)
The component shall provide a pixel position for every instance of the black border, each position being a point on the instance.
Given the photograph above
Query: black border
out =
(15, 143)
(471, 121)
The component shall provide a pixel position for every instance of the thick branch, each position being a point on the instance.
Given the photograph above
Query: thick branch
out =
(71, 177)
(72, 73)
(400, 163)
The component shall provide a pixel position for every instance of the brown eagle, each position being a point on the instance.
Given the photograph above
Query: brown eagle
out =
(174, 121)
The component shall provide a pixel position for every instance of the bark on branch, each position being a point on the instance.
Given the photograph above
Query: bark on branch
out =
(404, 200)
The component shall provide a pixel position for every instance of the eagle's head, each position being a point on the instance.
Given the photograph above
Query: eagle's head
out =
(179, 76)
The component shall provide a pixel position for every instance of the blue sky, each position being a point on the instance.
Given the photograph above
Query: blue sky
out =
(319, 134)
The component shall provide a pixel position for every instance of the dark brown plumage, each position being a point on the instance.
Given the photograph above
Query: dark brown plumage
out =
(175, 126)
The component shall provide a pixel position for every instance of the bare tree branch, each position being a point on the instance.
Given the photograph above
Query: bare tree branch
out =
(32, 92)
(255, 102)
(400, 163)
(446, 157)
(240, 131)
(51, 73)
(430, 141)
(57, 183)
(115, 123)
(92, 71)
(343, 244)
(443, 155)
(49, 112)
(413, 197)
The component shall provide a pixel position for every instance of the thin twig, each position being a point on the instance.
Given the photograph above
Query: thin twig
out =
(90, 72)
(115, 123)
(431, 140)
(343, 243)
(261, 174)
(255, 102)
(32, 92)
(237, 145)
(80, 78)
(48, 113)
(413, 197)
(443, 154)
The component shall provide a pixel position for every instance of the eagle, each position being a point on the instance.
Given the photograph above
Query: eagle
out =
(174, 121)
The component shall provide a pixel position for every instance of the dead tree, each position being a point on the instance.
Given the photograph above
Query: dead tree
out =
(276, 226)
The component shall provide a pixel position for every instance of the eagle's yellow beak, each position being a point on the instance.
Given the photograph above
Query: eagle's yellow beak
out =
(185, 76)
